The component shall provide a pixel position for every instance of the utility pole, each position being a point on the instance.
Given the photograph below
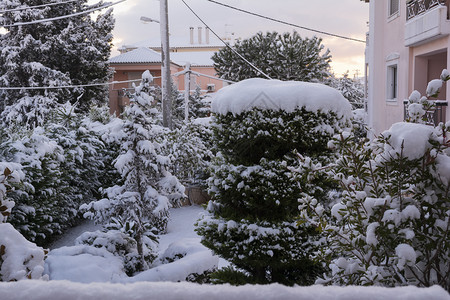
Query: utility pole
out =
(187, 87)
(165, 65)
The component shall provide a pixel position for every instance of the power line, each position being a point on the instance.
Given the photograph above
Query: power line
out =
(226, 44)
(287, 23)
(65, 16)
(67, 86)
(36, 6)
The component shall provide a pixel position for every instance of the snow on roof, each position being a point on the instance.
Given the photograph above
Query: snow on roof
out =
(137, 56)
(279, 95)
(177, 42)
(198, 58)
(145, 55)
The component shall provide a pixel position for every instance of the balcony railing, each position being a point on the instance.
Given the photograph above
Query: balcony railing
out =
(433, 116)
(418, 7)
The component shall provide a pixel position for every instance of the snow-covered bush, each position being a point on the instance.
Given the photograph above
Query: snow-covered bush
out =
(19, 258)
(122, 245)
(63, 162)
(189, 150)
(199, 105)
(260, 126)
(351, 89)
(419, 105)
(392, 223)
(141, 204)
(10, 173)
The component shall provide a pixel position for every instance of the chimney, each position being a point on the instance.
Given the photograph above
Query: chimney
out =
(207, 35)
(199, 34)
(191, 29)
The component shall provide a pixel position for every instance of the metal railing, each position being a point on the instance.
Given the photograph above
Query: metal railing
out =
(433, 116)
(418, 7)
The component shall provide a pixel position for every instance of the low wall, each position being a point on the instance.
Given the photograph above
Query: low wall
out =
(65, 290)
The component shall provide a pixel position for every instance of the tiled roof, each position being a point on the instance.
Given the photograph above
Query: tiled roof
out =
(137, 56)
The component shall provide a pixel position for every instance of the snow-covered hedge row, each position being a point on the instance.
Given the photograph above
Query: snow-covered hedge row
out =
(65, 162)
(38, 290)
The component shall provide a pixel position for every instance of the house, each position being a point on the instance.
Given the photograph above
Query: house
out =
(408, 46)
(146, 55)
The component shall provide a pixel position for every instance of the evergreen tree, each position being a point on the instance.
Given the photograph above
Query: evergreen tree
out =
(69, 51)
(281, 56)
(352, 90)
(199, 105)
(140, 206)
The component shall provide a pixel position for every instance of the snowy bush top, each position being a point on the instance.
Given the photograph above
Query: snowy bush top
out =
(279, 95)
(409, 139)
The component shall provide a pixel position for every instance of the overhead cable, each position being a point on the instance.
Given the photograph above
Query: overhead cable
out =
(287, 23)
(65, 16)
(67, 86)
(227, 44)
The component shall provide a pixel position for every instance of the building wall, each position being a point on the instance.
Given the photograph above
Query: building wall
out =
(125, 72)
(416, 65)
(207, 85)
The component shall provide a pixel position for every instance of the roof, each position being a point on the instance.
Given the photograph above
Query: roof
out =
(177, 42)
(196, 59)
(140, 55)
(144, 55)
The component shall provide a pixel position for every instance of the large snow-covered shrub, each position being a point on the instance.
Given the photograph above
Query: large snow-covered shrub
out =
(260, 126)
(392, 223)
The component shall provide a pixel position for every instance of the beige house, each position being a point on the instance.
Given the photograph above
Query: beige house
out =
(408, 46)
(195, 50)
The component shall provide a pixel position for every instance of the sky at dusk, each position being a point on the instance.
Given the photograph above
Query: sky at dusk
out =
(341, 17)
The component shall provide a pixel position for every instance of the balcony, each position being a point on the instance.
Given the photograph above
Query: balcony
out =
(427, 20)
(433, 116)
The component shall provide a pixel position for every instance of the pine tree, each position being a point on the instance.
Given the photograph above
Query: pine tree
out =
(140, 206)
(61, 52)
(199, 105)
(352, 90)
(281, 56)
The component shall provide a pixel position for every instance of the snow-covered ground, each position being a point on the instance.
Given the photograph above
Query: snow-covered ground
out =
(86, 264)
(83, 272)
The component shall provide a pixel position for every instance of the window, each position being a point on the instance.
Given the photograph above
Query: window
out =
(392, 83)
(393, 7)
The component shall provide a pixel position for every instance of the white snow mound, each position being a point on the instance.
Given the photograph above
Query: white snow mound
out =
(279, 95)
(19, 258)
